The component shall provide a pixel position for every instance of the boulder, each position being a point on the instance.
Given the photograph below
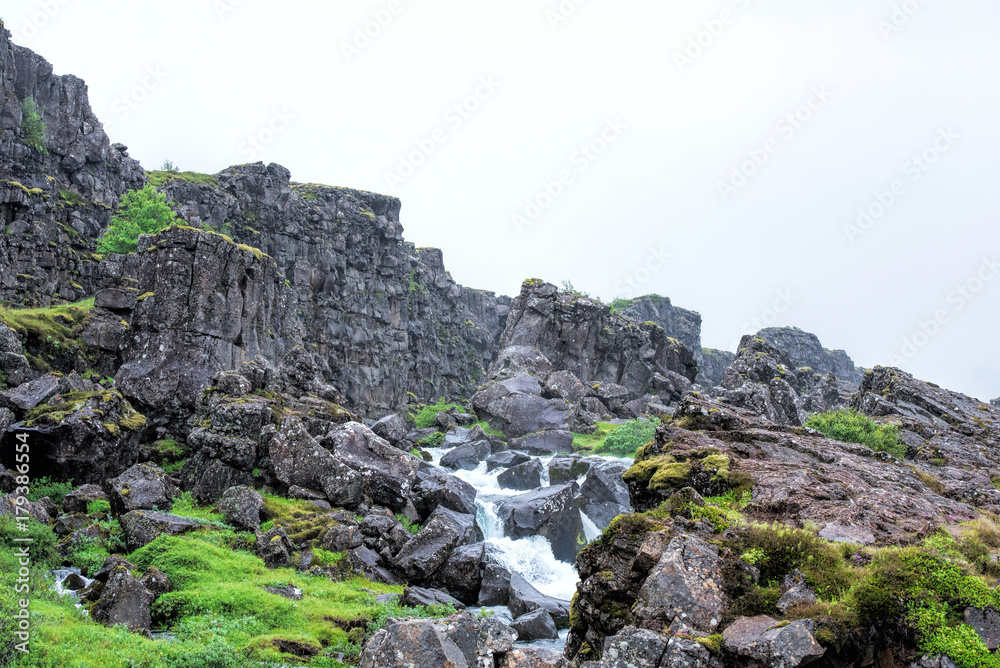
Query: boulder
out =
(640, 648)
(543, 443)
(685, 584)
(124, 600)
(297, 458)
(567, 468)
(551, 512)
(460, 641)
(388, 473)
(76, 501)
(415, 597)
(522, 477)
(32, 394)
(524, 598)
(425, 552)
(392, 428)
(795, 591)
(535, 625)
(565, 385)
(446, 491)
(369, 563)
(241, 507)
(143, 526)
(467, 456)
(35, 509)
(461, 575)
(141, 487)
(156, 582)
(495, 586)
(84, 435)
(13, 363)
(275, 548)
(762, 638)
(986, 622)
(341, 538)
(604, 494)
(506, 459)
(532, 657)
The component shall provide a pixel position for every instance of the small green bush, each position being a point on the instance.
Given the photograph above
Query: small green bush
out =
(56, 491)
(435, 440)
(98, 506)
(88, 554)
(628, 437)
(408, 524)
(850, 426)
(32, 126)
(142, 212)
(426, 416)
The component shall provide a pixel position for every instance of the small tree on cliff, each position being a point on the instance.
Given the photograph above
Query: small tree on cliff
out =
(142, 212)
(32, 126)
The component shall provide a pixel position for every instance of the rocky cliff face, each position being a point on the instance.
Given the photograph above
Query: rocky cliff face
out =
(54, 204)
(382, 317)
(713, 366)
(805, 350)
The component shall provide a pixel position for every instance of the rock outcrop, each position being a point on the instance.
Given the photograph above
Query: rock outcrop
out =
(805, 350)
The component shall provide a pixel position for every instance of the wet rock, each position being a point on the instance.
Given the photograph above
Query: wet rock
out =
(461, 575)
(506, 459)
(551, 512)
(143, 526)
(764, 639)
(74, 582)
(544, 442)
(241, 507)
(522, 477)
(76, 501)
(685, 584)
(495, 587)
(388, 473)
(535, 625)
(141, 487)
(567, 468)
(467, 456)
(604, 494)
(524, 598)
(420, 596)
(443, 491)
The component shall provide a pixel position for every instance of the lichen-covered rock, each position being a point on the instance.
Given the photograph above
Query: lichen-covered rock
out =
(425, 552)
(774, 644)
(805, 350)
(124, 600)
(141, 487)
(86, 435)
(388, 473)
(460, 641)
(76, 501)
(532, 657)
(141, 527)
(640, 648)
(415, 597)
(522, 477)
(241, 507)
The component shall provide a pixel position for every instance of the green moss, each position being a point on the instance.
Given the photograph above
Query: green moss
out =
(435, 440)
(592, 442)
(144, 296)
(160, 179)
(853, 427)
(712, 643)
(426, 415)
(642, 472)
(670, 476)
(65, 405)
(51, 331)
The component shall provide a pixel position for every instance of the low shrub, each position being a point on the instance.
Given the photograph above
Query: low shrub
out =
(628, 437)
(850, 426)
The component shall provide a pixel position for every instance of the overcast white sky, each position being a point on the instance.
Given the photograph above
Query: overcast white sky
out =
(208, 83)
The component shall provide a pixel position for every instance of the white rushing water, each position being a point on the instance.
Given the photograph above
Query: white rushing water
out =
(531, 556)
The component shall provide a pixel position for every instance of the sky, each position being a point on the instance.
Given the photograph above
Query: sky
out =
(829, 165)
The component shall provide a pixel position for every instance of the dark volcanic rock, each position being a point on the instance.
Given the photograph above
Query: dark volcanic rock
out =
(446, 491)
(124, 600)
(76, 501)
(805, 350)
(523, 598)
(535, 625)
(506, 459)
(551, 512)
(460, 641)
(241, 507)
(415, 597)
(762, 639)
(388, 473)
(604, 495)
(143, 526)
(522, 477)
(425, 552)
(544, 442)
(467, 456)
(142, 487)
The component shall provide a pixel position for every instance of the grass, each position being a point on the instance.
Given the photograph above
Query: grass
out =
(51, 330)
(56, 491)
(160, 179)
(850, 426)
(590, 442)
(426, 415)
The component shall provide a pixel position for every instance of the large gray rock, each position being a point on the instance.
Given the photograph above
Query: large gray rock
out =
(506, 459)
(30, 395)
(524, 598)
(522, 477)
(544, 442)
(124, 600)
(241, 507)
(392, 428)
(425, 552)
(467, 456)
(763, 639)
(685, 584)
(141, 487)
(443, 490)
(986, 622)
(805, 350)
(532, 657)
(141, 527)
(640, 648)
(461, 641)
(551, 512)
(535, 625)
(461, 575)
(388, 473)
(415, 597)
(604, 495)
(76, 501)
